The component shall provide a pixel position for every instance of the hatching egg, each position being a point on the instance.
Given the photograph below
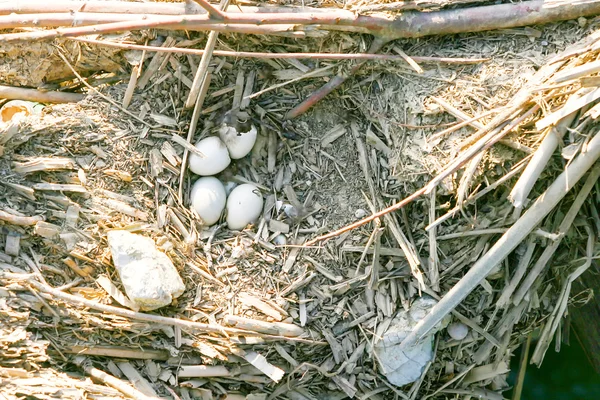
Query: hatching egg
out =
(208, 199)
(244, 206)
(238, 143)
(214, 159)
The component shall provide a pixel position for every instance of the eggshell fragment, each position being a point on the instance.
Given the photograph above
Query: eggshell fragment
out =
(239, 144)
(244, 206)
(208, 199)
(216, 157)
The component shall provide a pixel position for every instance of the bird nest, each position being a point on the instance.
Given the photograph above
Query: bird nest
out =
(462, 177)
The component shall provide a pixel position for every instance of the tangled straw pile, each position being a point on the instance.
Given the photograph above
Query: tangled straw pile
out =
(499, 239)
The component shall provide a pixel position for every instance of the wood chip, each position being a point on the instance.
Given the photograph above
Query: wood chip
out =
(12, 245)
(271, 328)
(60, 187)
(115, 293)
(136, 379)
(249, 300)
(261, 363)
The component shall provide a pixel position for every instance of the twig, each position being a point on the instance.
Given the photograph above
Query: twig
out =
(212, 11)
(116, 383)
(558, 312)
(310, 74)
(520, 192)
(506, 244)
(405, 25)
(434, 273)
(16, 93)
(518, 389)
(103, 96)
(566, 223)
(80, 301)
(17, 220)
(476, 196)
(283, 56)
(192, 98)
(333, 84)
(197, 96)
(366, 220)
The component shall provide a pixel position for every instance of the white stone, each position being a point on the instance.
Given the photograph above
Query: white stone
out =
(402, 367)
(149, 277)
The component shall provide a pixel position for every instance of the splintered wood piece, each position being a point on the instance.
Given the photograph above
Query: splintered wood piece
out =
(249, 300)
(301, 281)
(115, 383)
(170, 154)
(345, 385)
(155, 160)
(271, 328)
(291, 259)
(333, 134)
(46, 230)
(155, 64)
(12, 245)
(136, 379)
(43, 164)
(24, 191)
(115, 293)
(261, 363)
(72, 215)
(119, 352)
(336, 348)
(278, 226)
(60, 187)
(19, 219)
(485, 372)
(203, 371)
(121, 207)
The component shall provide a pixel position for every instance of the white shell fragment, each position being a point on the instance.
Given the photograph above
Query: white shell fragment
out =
(208, 199)
(403, 366)
(18, 109)
(149, 277)
(239, 144)
(216, 157)
(457, 330)
(244, 206)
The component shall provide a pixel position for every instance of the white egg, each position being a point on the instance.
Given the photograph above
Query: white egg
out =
(216, 157)
(244, 206)
(208, 199)
(457, 330)
(239, 144)
(280, 240)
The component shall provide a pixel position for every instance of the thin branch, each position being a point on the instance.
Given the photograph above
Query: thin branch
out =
(508, 242)
(11, 92)
(333, 84)
(563, 228)
(311, 56)
(17, 220)
(212, 11)
(405, 25)
(93, 89)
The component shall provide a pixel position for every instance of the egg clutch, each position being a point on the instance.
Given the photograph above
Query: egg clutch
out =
(209, 196)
